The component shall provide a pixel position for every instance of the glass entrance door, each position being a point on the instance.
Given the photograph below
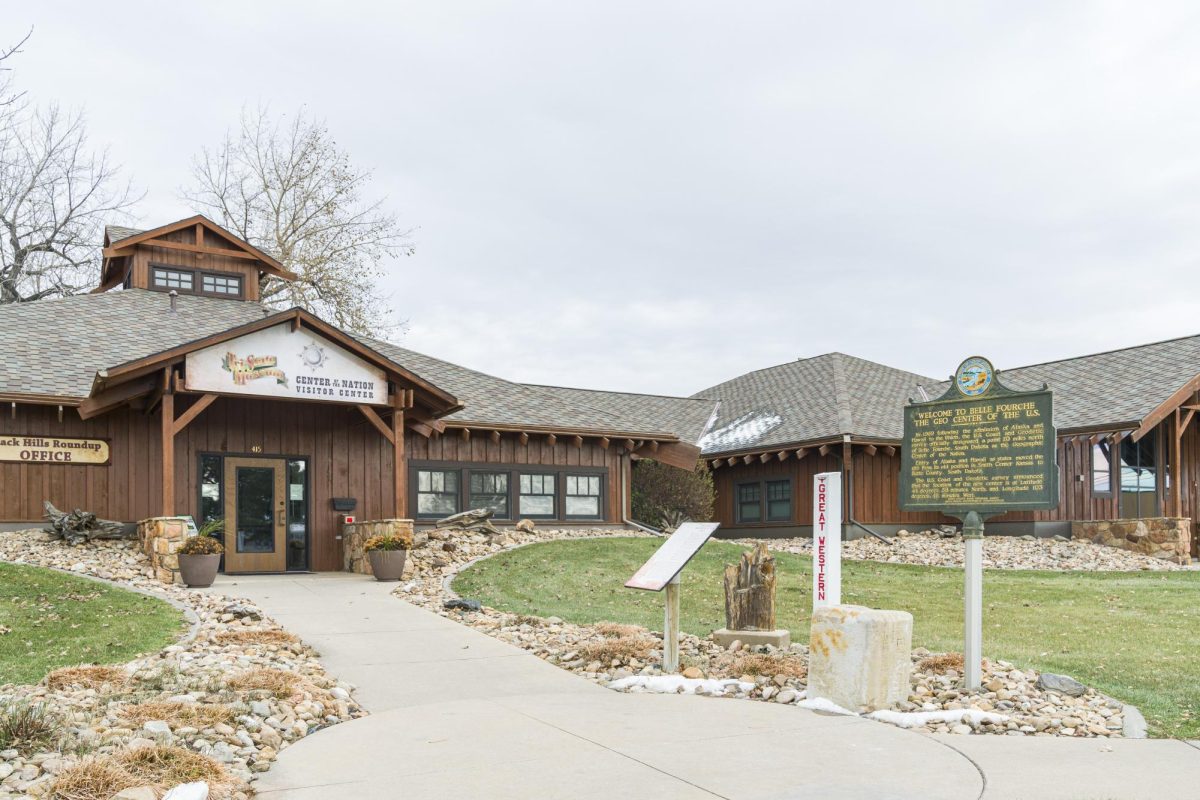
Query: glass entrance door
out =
(255, 515)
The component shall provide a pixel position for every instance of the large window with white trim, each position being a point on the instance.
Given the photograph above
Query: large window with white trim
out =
(537, 496)
(582, 497)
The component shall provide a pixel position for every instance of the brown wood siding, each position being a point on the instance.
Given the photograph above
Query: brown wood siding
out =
(801, 473)
(144, 254)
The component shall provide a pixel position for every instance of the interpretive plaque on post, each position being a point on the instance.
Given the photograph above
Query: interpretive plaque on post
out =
(979, 450)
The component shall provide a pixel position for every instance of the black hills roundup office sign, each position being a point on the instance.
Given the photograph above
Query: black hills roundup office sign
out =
(979, 447)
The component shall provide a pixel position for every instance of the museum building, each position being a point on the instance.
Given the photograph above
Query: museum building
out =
(171, 390)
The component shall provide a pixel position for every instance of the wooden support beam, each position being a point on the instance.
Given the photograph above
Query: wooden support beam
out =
(871, 449)
(1176, 448)
(604, 442)
(629, 445)
(199, 235)
(890, 450)
(678, 454)
(824, 449)
(784, 455)
(466, 434)
(731, 460)
(495, 437)
(399, 466)
(167, 434)
(194, 411)
(420, 427)
(577, 441)
(551, 439)
(747, 459)
(801, 452)
(377, 422)
(764, 458)
(416, 415)
(653, 446)
(715, 463)
(116, 396)
(523, 439)
(120, 248)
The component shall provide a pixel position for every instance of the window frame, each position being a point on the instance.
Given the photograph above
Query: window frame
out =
(553, 495)
(171, 268)
(457, 494)
(236, 277)
(464, 468)
(470, 492)
(791, 500)
(764, 501)
(738, 503)
(197, 277)
(1103, 493)
(600, 494)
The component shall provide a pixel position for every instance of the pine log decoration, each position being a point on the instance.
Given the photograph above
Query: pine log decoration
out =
(750, 591)
(83, 526)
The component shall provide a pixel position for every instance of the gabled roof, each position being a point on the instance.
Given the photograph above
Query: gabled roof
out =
(810, 400)
(686, 417)
(1115, 389)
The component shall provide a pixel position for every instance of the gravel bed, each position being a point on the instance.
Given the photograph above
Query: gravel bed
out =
(213, 674)
(1011, 702)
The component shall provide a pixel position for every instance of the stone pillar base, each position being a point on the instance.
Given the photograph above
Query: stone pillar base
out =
(860, 658)
(161, 538)
(1168, 538)
(780, 638)
(355, 535)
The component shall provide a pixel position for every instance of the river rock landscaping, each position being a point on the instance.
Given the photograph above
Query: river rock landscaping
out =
(1013, 701)
(944, 548)
(217, 706)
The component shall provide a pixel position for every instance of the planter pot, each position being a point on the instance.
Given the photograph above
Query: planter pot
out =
(199, 572)
(387, 565)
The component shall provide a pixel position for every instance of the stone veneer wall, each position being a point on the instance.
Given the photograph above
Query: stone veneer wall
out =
(354, 535)
(161, 538)
(1168, 538)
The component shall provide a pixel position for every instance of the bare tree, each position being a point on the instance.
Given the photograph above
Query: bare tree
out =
(291, 191)
(55, 197)
(9, 96)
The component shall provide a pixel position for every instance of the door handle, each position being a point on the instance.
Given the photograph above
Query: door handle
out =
(281, 518)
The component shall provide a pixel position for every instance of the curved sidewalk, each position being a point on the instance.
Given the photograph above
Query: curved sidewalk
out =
(456, 713)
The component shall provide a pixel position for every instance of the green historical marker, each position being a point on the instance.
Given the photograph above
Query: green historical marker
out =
(979, 450)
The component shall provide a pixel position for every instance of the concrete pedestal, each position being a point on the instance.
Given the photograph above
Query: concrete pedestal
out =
(860, 657)
(778, 638)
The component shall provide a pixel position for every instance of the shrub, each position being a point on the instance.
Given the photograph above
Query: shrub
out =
(387, 541)
(202, 546)
(167, 766)
(95, 779)
(276, 681)
(666, 497)
(193, 715)
(621, 648)
(26, 727)
(86, 677)
(941, 663)
(769, 665)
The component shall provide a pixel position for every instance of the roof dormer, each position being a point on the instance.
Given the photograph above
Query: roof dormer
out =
(191, 256)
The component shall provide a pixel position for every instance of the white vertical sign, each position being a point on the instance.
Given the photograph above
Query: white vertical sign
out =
(827, 539)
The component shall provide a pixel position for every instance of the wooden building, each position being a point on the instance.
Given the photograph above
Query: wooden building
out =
(171, 391)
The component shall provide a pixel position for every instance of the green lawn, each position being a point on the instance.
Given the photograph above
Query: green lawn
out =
(56, 620)
(1135, 636)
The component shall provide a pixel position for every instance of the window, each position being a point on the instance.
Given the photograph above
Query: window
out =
(230, 285)
(749, 502)
(1102, 469)
(178, 279)
(437, 493)
(210, 489)
(779, 501)
(1139, 477)
(583, 496)
(490, 490)
(297, 514)
(537, 496)
(769, 501)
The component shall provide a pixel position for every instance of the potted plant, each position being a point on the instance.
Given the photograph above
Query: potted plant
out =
(387, 554)
(200, 556)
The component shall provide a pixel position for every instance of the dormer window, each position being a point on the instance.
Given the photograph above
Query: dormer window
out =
(177, 279)
(187, 281)
(228, 285)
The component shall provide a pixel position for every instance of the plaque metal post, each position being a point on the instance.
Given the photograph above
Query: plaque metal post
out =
(973, 600)
(671, 627)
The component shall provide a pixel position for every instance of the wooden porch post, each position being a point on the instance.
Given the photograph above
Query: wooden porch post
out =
(1176, 485)
(167, 414)
(399, 465)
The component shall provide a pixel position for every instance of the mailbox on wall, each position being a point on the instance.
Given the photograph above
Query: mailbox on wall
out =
(344, 504)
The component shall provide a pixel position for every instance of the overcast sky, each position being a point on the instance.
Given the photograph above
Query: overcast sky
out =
(660, 196)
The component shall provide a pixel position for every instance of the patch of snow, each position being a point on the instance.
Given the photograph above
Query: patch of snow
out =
(745, 430)
(828, 706)
(677, 684)
(916, 719)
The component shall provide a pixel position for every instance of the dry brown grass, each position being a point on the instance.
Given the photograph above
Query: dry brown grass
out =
(621, 648)
(616, 630)
(86, 677)
(94, 779)
(192, 715)
(166, 766)
(769, 665)
(255, 637)
(941, 663)
(276, 681)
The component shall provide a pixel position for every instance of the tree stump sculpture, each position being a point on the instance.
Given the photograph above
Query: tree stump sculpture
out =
(83, 526)
(750, 591)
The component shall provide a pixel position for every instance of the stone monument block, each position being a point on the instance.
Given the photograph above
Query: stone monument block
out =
(860, 657)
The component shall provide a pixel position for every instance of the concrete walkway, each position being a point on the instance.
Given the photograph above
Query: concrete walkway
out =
(458, 714)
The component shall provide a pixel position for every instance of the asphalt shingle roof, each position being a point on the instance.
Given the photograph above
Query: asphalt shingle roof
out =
(116, 233)
(810, 399)
(686, 417)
